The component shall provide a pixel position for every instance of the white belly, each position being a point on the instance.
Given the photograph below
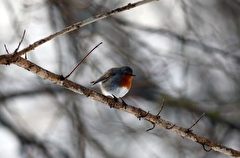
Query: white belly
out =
(117, 92)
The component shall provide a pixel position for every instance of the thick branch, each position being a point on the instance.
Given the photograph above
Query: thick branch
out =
(59, 80)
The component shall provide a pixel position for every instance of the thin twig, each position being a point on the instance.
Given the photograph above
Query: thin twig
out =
(154, 125)
(163, 103)
(83, 60)
(140, 115)
(204, 148)
(196, 121)
(19, 44)
(83, 23)
(170, 127)
(6, 48)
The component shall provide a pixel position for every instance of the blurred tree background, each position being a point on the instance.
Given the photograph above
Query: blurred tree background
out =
(186, 52)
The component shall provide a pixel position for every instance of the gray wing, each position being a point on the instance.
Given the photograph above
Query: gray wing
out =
(105, 76)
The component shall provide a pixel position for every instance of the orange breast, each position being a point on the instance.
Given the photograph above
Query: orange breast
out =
(125, 81)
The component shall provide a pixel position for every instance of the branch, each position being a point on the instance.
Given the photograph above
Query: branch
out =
(196, 121)
(15, 58)
(82, 60)
(81, 24)
(155, 119)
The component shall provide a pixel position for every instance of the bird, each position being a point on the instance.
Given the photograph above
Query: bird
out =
(116, 82)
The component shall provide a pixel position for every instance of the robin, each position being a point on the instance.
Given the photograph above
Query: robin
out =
(116, 82)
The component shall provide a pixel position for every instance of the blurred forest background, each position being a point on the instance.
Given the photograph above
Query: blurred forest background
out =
(186, 52)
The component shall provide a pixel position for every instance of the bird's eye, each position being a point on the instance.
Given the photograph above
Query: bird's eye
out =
(127, 73)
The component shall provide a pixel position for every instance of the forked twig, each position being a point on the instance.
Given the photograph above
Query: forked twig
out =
(196, 121)
(82, 60)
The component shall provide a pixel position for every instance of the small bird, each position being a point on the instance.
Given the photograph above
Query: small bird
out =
(116, 82)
